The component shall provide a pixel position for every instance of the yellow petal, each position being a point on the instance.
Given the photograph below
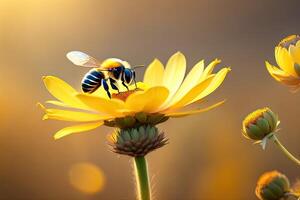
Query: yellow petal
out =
(274, 71)
(208, 70)
(284, 60)
(148, 101)
(154, 73)
(67, 115)
(140, 85)
(295, 53)
(288, 80)
(174, 73)
(76, 129)
(282, 76)
(57, 103)
(215, 83)
(189, 82)
(193, 93)
(106, 106)
(63, 92)
(192, 112)
(298, 44)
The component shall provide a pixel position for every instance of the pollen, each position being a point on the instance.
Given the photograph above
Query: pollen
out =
(290, 40)
(125, 94)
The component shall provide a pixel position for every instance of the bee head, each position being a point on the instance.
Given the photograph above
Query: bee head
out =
(113, 63)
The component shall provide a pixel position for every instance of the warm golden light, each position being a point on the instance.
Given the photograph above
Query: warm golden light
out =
(87, 178)
(35, 35)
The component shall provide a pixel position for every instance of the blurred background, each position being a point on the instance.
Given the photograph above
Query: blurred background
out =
(207, 157)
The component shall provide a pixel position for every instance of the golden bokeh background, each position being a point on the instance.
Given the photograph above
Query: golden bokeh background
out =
(207, 157)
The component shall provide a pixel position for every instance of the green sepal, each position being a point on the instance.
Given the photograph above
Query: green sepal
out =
(278, 181)
(155, 118)
(134, 135)
(125, 134)
(165, 118)
(263, 124)
(270, 120)
(142, 132)
(148, 128)
(276, 189)
(285, 183)
(267, 194)
(152, 133)
(255, 132)
(125, 122)
(120, 139)
(129, 121)
(141, 117)
(274, 118)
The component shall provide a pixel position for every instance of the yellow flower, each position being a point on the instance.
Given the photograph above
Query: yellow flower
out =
(163, 94)
(287, 54)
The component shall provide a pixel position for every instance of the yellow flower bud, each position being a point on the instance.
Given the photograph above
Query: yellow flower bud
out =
(260, 123)
(272, 186)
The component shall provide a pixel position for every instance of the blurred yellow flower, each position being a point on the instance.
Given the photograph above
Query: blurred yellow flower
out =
(287, 55)
(163, 94)
(272, 185)
(87, 177)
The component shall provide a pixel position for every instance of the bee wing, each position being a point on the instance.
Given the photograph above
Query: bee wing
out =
(82, 59)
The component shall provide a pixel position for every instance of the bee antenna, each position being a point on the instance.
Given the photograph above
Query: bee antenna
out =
(138, 66)
(104, 70)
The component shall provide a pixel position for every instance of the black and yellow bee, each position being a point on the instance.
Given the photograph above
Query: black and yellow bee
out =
(109, 72)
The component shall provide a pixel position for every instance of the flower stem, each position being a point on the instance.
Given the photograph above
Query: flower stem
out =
(284, 150)
(142, 181)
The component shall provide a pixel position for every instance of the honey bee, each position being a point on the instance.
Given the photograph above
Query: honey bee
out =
(109, 72)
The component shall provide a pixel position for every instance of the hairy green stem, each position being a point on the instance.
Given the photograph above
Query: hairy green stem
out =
(284, 150)
(142, 180)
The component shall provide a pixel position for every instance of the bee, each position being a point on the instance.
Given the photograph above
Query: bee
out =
(105, 74)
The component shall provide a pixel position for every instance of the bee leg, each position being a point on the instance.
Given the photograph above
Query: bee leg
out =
(133, 75)
(113, 84)
(124, 84)
(105, 86)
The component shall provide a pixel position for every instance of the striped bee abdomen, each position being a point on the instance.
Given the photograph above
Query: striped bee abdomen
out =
(92, 80)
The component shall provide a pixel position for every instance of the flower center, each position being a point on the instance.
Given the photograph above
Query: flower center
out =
(288, 41)
(125, 94)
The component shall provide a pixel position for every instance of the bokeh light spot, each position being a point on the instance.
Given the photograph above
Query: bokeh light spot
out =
(87, 178)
